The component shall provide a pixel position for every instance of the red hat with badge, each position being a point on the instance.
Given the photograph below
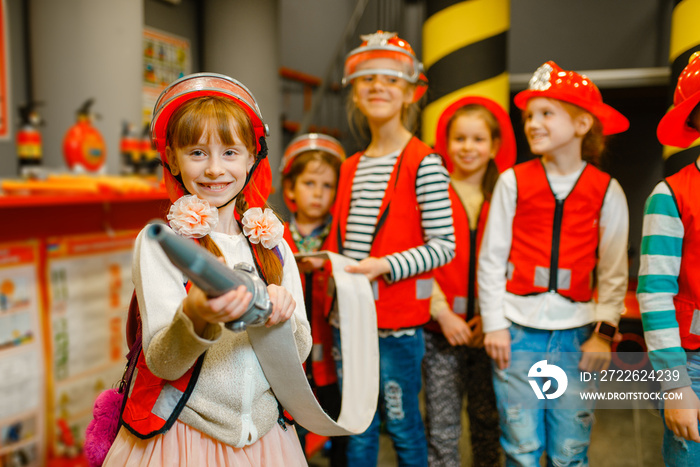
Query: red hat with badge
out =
(550, 81)
(204, 85)
(506, 155)
(386, 45)
(673, 129)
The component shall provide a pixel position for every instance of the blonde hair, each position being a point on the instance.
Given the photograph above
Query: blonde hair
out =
(228, 119)
(479, 111)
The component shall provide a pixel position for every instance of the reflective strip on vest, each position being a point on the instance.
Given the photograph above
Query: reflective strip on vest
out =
(400, 207)
(167, 401)
(550, 233)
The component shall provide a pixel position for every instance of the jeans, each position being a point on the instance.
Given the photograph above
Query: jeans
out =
(399, 385)
(531, 425)
(679, 452)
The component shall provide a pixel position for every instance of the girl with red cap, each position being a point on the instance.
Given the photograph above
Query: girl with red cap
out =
(198, 395)
(668, 290)
(557, 228)
(476, 135)
(310, 169)
(393, 215)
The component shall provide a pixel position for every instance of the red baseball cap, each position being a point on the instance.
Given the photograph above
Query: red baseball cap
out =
(505, 158)
(549, 80)
(673, 129)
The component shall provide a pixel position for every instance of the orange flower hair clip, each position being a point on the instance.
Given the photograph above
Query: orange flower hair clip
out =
(192, 217)
(262, 227)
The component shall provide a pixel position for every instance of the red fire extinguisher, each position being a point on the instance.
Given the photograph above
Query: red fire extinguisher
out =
(29, 146)
(83, 146)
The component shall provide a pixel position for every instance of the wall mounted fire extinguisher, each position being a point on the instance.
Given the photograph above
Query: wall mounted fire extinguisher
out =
(83, 146)
(29, 145)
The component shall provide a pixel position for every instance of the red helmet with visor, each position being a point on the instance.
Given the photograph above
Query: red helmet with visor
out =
(205, 85)
(385, 45)
(311, 142)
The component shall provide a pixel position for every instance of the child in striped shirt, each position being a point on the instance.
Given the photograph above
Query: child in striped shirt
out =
(668, 290)
(393, 215)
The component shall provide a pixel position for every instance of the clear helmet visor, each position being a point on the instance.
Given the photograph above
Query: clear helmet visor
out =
(381, 60)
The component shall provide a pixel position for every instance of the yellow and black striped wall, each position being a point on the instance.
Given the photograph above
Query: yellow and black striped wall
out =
(685, 41)
(465, 45)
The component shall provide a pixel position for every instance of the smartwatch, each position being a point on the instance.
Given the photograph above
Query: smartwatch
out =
(605, 330)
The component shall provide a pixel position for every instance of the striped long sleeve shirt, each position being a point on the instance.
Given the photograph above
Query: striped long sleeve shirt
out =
(369, 185)
(660, 262)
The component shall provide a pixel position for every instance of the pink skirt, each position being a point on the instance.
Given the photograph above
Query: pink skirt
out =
(185, 446)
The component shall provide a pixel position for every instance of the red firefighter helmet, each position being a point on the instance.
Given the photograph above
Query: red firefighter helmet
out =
(386, 45)
(549, 80)
(310, 142)
(506, 155)
(673, 129)
(211, 84)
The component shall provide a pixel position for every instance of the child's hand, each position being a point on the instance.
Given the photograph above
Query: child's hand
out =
(222, 309)
(682, 414)
(595, 354)
(371, 267)
(477, 329)
(309, 264)
(283, 304)
(497, 344)
(455, 329)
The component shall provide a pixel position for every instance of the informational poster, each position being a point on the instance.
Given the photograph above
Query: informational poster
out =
(89, 289)
(166, 57)
(22, 365)
(4, 75)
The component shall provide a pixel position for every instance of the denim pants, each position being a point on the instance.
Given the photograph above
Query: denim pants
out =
(561, 425)
(399, 385)
(679, 452)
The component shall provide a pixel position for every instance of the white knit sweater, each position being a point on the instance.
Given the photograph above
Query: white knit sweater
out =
(232, 400)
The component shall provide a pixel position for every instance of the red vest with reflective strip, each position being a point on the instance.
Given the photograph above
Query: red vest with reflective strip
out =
(323, 364)
(555, 235)
(684, 186)
(152, 404)
(405, 303)
(457, 279)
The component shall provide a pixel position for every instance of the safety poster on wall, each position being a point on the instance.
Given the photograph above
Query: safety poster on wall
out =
(89, 289)
(166, 58)
(22, 365)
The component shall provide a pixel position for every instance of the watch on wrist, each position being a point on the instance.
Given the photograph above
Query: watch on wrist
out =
(605, 330)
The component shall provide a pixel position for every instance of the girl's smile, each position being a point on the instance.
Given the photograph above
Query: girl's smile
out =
(469, 145)
(210, 169)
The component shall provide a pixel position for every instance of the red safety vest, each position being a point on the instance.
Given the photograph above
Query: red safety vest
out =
(555, 235)
(684, 186)
(405, 303)
(152, 404)
(457, 279)
(318, 301)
